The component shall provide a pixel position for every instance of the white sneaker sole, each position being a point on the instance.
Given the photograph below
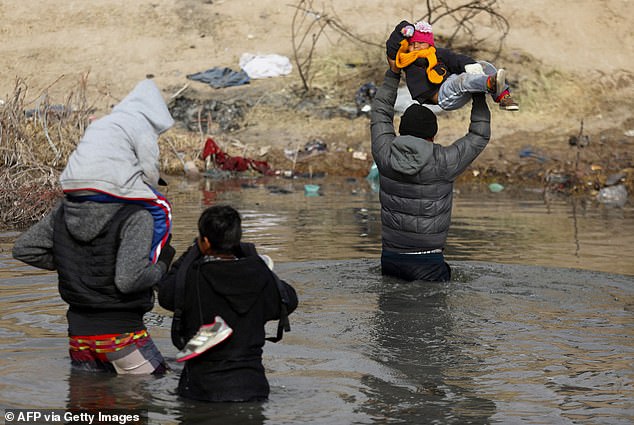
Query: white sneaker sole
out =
(500, 82)
(510, 108)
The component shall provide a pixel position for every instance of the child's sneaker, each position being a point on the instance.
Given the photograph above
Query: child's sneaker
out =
(496, 83)
(508, 104)
(206, 337)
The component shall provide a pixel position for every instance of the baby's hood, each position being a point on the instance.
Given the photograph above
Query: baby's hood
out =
(146, 99)
(119, 152)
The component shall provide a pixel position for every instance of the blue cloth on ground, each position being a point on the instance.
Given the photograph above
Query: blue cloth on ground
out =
(221, 77)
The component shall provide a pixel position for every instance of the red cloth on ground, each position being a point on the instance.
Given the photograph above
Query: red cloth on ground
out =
(233, 163)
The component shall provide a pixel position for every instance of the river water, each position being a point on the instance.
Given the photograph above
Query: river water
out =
(536, 327)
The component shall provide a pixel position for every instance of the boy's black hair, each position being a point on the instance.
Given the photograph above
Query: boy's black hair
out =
(222, 226)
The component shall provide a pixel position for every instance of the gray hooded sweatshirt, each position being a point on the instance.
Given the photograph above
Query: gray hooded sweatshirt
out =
(119, 153)
(417, 176)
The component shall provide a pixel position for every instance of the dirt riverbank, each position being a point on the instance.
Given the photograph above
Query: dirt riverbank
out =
(570, 69)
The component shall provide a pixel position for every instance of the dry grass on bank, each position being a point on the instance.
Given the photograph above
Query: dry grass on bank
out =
(36, 138)
(39, 131)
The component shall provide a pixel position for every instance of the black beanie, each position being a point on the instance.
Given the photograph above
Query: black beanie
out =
(418, 121)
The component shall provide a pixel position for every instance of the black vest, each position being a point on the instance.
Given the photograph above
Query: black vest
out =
(86, 270)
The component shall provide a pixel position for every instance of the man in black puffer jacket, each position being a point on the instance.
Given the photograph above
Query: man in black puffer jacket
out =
(416, 181)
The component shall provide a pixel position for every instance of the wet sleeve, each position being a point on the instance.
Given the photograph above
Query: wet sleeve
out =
(134, 271)
(35, 246)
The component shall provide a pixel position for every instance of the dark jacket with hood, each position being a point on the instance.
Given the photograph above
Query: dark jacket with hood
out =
(112, 292)
(419, 86)
(449, 62)
(245, 294)
(417, 176)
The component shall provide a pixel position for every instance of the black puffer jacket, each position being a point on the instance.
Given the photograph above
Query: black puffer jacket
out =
(417, 176)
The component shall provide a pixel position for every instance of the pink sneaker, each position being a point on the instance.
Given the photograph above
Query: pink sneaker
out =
(206, 337)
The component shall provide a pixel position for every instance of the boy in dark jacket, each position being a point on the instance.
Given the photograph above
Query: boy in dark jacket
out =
(440, 76)
(221, 278)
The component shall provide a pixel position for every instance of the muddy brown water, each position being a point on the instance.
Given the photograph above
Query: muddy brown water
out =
(536, 327)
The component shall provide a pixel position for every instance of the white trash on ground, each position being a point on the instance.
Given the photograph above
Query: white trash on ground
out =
(265, 66)
(613, 195)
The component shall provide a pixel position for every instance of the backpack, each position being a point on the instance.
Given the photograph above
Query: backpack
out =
(248, 249)
(177, 331)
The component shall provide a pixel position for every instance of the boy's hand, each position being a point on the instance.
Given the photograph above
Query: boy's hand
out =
(394, 42)
(167, 254)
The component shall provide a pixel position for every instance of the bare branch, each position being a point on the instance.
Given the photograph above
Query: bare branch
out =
(464, 17)
(307, 27)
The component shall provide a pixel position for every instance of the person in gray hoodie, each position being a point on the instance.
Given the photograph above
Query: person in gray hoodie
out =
(100, 249)
(117, 159)
(416, 181)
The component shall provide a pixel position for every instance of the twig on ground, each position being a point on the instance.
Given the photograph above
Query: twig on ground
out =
(179, 92)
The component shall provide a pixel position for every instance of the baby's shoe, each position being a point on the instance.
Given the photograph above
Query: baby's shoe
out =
(507, 103)
(496, 83)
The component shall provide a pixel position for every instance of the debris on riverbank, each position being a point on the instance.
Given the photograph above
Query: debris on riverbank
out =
(320, 139)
